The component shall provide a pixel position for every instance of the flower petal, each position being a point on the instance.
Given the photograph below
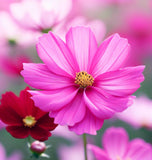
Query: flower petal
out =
(98, 104)
(103, 105)
(122, 82)
(89, 124)
(71, 113)
(138, 149)
(18, 132)
(40, 77)
(54, 53)
(46, 122)
(115, 142)
(83, 46)
(55, 99)
(98, 152)
(28, 106)
(110, 55)
(39, 133)
(10, 110)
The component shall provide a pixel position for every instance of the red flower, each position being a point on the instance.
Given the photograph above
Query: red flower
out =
(23, 118)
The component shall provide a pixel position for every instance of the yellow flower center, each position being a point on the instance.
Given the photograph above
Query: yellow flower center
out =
(84, 79)
(29, 121)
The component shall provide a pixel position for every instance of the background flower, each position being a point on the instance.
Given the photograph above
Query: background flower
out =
(117, 146)
(139, 114)
(23, 118)
(46, 15)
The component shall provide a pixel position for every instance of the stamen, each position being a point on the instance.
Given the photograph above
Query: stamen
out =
(29, 121)
(84, 79)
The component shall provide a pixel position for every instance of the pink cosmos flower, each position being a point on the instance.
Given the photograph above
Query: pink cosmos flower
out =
(14, 156)
(139, 114)
(116, 146)
(82, 84)
(40, 15)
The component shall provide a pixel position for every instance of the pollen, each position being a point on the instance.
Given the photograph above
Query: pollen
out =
(84, 79)
(29, 121)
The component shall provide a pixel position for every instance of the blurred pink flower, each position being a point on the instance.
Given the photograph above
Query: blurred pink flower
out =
(14, 45)
(12, 59)
(82, 84)
(14, 34)
(116, 146)
(40, 15)
(139, 114)
(14, 156)
(13, 66)
(136, 27)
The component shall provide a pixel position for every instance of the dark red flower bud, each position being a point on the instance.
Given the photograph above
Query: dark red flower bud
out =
(38, 147)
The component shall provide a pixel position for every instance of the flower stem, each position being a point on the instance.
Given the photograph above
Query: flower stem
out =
(29, 139)
(85, 146)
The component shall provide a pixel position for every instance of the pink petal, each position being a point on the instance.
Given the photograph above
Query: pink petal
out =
(56, 55)
(83, 46)
(110, 55)
(103, 105)
(138, 149)
(90, 124)
(122, 82)
(53, 100)
(71, 113)
(98, 152)
(40, 77)
(115, 141)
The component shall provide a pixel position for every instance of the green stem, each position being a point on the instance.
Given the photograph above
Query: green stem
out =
(29, 139)
(85, 146)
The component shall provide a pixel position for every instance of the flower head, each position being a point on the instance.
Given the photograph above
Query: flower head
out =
(23, 118)
(117, 147)
(82, 84)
